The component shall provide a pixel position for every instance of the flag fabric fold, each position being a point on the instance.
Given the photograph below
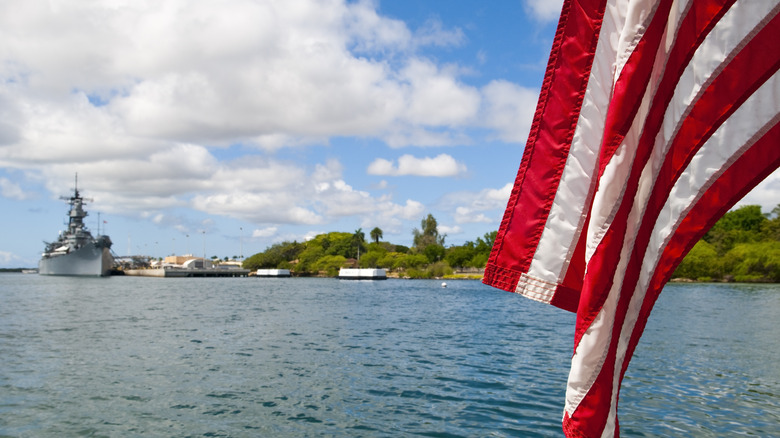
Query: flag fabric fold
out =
(654, 118)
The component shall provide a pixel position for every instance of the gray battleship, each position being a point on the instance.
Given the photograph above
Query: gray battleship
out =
(76, 252)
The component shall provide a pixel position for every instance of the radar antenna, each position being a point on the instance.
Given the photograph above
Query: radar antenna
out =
(76, 194)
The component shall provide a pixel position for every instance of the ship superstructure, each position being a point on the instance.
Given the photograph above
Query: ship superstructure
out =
(76, 251)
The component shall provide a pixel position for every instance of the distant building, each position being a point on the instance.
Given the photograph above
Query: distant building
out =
(197, 263)
(179, 260)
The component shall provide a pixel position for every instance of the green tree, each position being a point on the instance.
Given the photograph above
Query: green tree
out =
(460, 256)
(402, 249)
(776, 212)
(375, 252)
(701, 263)
(390, 260)
(485, 243)
(330, 264)
(358, 241)
(371, 259)
(381, 246)
(428, 241)
(308, 258)
(335, 243)
(770, 230)
(744, 245)
(376, 234)
(429, 233)
(482, 249)
(330, 244)
(439, 269)
(434, 270)
(407, 261)
(754, 262)
(738, 226)
(274, 255)
(434, 252)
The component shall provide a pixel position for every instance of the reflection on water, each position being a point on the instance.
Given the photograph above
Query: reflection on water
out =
(322, 357)
(710, 359)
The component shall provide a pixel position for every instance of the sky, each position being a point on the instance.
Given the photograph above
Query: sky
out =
(222, 127)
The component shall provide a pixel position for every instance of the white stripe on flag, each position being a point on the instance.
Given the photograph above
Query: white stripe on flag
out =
(728, 143)
(655, 117)
(575, 189)
(593, 348)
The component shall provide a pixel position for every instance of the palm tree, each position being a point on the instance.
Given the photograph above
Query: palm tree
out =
(376, 234)
(357, 239)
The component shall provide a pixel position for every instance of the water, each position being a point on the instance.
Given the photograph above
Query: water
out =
(322, 357)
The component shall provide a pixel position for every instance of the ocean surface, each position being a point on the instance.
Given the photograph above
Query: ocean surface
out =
(296, 357)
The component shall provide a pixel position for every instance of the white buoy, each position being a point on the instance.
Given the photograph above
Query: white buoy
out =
(443, 284)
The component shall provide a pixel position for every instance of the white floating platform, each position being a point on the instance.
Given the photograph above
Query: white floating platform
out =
(180, 273)
(362, 274)
(273, 272)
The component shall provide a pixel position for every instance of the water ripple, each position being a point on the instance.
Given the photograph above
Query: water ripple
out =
(319, 357)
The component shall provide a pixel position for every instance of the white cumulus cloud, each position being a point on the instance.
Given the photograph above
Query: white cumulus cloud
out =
(766, 193)
(172, 110)
(484, 206)
(442, 165)
(544, 10)
(7, 257)
(509, 110)
(467, 215)
(265, 232)
(450, 230)
(10, 189)
(86, 80)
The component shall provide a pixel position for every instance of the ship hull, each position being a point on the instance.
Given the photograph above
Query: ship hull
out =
(89, 260)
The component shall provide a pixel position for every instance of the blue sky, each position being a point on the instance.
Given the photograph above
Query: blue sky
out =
(229, 126)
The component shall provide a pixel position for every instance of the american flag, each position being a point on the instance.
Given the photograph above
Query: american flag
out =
(655, 117)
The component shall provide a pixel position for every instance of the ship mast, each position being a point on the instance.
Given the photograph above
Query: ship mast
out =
(76, 214)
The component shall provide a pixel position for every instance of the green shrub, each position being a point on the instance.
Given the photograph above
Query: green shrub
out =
(702, 261)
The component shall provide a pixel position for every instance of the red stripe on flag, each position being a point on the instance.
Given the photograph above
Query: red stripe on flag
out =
(748, 70)
(640, 229)
(740, 79)
(729, 90)
(629, 90)
(631, 85)
(548, 144)
(758, 162)
(699, 20)
(717, 103)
